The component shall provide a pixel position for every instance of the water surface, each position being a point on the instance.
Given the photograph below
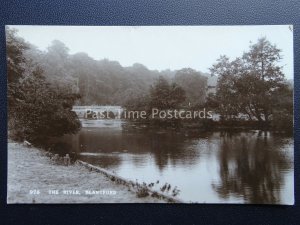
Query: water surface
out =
(210, 167)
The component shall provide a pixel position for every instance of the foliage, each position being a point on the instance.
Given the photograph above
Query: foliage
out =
(15, 58)
(282, 114)
(43, 111)
(166, 96)
(38, 109)
(105, 82)
(251, 85)
(194, 84)
(15, 63)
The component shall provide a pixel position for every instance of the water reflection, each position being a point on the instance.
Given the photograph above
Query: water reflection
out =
(253, 166)
(243, 167)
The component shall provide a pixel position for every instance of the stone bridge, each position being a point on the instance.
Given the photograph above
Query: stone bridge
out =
(82, 111)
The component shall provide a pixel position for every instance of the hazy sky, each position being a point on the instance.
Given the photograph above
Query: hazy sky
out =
(163, 47)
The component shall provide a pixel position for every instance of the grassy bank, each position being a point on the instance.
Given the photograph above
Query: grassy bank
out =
(31, 175)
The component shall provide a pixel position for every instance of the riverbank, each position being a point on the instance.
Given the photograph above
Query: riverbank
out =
(34, 178)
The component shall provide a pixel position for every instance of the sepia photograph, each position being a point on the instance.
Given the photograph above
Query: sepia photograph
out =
(150, 114)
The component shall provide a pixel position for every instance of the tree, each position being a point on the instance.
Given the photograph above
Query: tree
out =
(248, 84)
(282, 108)
(263, 73)
(194, 84)
(56, 64)
(15, 46)
(43, 111)
(226, 95)
(164, 96)
(40, 109)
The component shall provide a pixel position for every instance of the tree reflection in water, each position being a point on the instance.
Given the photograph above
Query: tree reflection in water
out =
(251, 167)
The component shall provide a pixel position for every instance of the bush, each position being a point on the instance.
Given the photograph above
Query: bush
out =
(282, 121)
(142, 192)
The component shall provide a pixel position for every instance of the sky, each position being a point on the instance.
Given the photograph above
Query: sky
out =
(163, 47)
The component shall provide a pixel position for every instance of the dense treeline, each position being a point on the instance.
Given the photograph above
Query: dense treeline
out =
(105, 82)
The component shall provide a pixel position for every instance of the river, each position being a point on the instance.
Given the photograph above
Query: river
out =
(207, 167)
